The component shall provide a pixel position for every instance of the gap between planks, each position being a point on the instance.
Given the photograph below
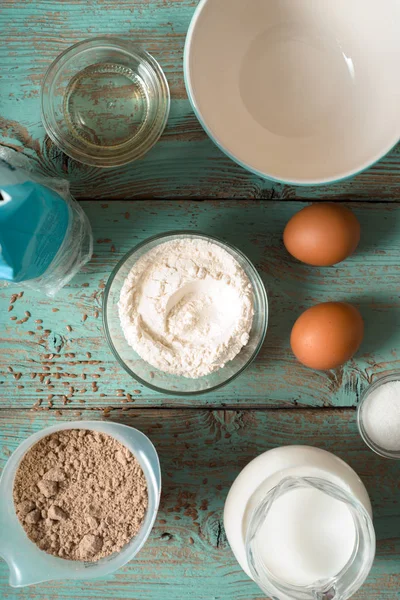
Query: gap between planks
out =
(274, 198)
(195, 407)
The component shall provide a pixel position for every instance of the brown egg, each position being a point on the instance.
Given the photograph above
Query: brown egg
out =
(327, 335)
(322, 234)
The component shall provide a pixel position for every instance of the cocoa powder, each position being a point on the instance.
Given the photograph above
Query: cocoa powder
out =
(80, 494)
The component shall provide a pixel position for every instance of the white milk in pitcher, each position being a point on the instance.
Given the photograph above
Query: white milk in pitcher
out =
(306, 536)
(293, 513)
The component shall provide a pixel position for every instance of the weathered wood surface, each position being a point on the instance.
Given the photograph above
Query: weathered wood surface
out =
(370, 279)
(201, 452)
(203, 449)
(185, 163)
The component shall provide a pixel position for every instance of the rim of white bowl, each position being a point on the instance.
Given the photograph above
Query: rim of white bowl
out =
(309, 182)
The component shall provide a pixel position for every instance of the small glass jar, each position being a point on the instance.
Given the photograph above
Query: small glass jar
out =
(361, 417)
(338, 587)
(105, 102)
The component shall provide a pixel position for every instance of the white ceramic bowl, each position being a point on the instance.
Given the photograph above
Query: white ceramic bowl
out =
(298, 91)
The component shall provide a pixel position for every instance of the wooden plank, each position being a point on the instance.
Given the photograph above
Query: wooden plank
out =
(369, 279)
(185, 163)
(201, 453)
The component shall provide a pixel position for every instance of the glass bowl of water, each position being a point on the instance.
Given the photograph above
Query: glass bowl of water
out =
(105, 101)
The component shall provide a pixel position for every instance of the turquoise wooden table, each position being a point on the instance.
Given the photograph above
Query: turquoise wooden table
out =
(203, 442)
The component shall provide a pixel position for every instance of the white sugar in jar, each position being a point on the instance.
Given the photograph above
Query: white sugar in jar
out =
(379, 416)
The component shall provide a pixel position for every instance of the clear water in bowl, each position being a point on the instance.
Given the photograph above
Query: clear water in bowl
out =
(106, 104)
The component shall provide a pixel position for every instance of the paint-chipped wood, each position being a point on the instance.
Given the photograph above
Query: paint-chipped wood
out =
(201, 452)
(369, 279)
(185, 163)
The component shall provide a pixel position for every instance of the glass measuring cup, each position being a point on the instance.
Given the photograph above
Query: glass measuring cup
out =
(340, 586)
(27, 563)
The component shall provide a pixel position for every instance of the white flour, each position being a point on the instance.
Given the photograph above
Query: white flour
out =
(186, 307)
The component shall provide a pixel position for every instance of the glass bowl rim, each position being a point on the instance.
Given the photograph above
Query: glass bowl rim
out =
(223, 243)
(362, 522)
(379, 381)
(162, 112)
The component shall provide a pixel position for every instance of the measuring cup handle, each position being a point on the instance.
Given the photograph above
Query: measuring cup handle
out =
(6, 537)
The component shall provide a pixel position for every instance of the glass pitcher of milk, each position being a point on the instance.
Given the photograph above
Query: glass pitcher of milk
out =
(299, 522)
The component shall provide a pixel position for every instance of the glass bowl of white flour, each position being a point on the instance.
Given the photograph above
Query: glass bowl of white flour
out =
(185, 313)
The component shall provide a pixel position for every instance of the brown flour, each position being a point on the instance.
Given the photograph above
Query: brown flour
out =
(80, 494)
